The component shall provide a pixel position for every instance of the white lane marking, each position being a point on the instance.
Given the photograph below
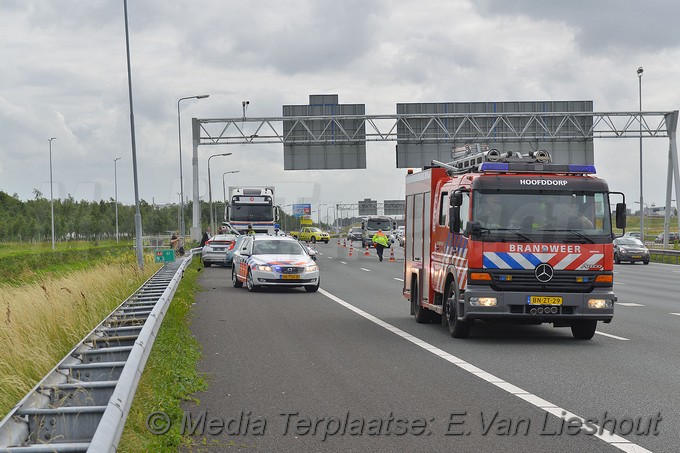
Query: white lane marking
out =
(343, 262)
(612, 336)
(612, 439)
(330, 257)
(400, 279)
(676, 314)
(619, 283)
(630, 304)
(364, 269)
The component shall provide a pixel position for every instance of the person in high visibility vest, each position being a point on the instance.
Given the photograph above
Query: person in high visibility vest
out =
(250, 230)
(381, 242)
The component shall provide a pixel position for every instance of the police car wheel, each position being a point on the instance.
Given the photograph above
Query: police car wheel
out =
(249, 282)
(234, 279)
(311, 289)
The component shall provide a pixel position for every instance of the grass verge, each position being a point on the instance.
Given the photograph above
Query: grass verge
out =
(41, 322)
(169, 377)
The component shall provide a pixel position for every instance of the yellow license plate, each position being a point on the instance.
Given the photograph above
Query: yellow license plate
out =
(544, 300)
(290, 277)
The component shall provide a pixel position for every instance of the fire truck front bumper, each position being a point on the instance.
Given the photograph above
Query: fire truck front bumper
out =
(483, 303)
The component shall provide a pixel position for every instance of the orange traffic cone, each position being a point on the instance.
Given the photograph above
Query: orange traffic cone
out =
(366, 252)
(344, 243)
(391, 254)
(351, 249)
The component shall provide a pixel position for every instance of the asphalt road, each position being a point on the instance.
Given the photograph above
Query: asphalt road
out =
(347, 369)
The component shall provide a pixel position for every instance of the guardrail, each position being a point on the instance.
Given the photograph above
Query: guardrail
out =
(82, 404)
(674, 255)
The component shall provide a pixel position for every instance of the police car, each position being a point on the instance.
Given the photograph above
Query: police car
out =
(273, 261)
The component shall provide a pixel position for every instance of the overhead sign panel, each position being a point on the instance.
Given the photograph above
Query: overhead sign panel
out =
(368, 207)
(505, 128)
(395, 207)
(323, 144)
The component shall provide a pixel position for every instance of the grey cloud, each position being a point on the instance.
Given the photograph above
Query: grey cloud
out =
(601, 25)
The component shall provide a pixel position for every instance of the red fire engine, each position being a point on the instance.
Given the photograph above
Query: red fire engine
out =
(506, 236)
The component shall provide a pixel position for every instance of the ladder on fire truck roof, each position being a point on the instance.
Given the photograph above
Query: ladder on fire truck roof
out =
(468, 159)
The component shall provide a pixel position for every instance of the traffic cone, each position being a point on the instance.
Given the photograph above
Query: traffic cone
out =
(338, 243)
(344, 243)
(351, 249)
(392, 255)
(366, 252)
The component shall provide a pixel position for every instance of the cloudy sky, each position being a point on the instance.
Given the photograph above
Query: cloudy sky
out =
(64, 75)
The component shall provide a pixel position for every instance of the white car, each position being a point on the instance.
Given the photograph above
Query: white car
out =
(215, 249)
(274, 261)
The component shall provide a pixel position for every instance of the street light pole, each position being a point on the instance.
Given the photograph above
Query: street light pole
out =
(212, 221)
(181, 180)
(115, 186)
(224, 186)
(51, 195)
(642, 217)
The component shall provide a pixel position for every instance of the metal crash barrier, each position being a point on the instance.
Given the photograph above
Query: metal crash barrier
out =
(82, 404)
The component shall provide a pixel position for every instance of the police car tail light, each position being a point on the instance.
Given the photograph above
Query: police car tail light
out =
(600, 303)
(483, 301)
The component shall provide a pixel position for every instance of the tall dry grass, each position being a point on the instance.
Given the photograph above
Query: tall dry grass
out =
(41, 322)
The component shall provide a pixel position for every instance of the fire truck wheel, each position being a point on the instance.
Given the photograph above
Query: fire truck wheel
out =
(249, 282)
(422, 313)
(234, 279)
(583, 330)
(457, 329)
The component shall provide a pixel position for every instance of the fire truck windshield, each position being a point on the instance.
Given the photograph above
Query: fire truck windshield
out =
(252, 212)
(542, 217)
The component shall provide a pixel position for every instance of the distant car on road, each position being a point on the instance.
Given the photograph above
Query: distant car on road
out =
(672, 237)
(354, 234)
(634, 234)
(215, 249)
(627, 248)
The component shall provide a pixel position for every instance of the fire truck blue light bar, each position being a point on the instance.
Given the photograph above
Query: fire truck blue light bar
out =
(574, 168)
(494, 166)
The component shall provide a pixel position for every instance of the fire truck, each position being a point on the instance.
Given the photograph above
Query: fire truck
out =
(510, 237)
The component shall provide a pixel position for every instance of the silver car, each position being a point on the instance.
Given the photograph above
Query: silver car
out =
(215, 249)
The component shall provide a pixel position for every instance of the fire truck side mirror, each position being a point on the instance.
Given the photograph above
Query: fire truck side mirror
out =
(454, 219)
(621, 215)
(457, 198)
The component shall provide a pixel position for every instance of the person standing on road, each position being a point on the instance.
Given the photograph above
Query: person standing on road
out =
(381, 242)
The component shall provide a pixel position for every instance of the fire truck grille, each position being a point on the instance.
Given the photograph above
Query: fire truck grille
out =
(562, 281)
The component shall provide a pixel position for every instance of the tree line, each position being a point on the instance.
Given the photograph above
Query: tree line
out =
(31, 220)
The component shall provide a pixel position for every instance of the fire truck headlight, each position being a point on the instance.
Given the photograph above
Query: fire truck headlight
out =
(600, 303)
(483, 301)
